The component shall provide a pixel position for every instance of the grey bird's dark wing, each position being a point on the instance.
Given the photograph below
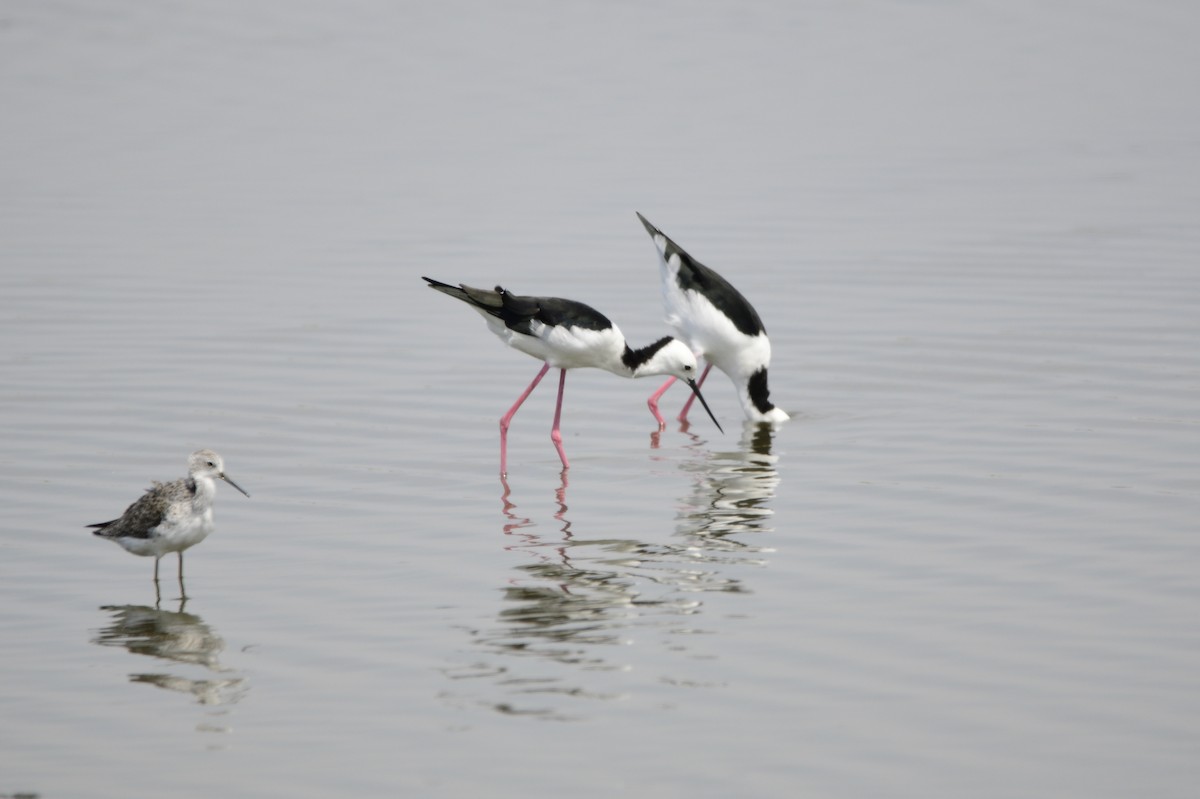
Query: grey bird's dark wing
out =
(140, 518)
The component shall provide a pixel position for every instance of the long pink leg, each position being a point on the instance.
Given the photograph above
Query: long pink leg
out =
(506, 418)
(687, 406)
(555, 435)
(653, 402)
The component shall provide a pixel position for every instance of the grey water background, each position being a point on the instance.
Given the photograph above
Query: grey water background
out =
(967, 567)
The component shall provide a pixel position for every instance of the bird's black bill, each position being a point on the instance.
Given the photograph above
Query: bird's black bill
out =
(700, 397)
(239, 488)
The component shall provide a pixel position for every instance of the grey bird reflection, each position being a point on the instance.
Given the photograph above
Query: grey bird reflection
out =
(176, 638)
(580, 596)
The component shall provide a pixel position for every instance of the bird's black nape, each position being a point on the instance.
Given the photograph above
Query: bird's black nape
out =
(756, 386)
(634, 358)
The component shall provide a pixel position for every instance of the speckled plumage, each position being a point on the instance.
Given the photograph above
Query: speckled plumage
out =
(170, 517)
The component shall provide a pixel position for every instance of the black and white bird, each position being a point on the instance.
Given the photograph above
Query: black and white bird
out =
(569, 335)
(170, 517)
(719, 325)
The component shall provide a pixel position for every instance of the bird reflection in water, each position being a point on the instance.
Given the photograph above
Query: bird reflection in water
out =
(731, 493)
(565, 604)
(178, 638)
(558, 617)
(579, 599)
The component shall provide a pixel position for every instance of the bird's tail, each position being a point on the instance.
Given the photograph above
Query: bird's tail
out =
(651, 229)
(102, 527)
(666, 247)
(487, 300)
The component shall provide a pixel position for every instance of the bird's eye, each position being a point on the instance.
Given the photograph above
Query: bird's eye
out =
(687, 368)
(212, 465)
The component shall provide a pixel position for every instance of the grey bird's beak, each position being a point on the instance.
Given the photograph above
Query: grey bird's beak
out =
(700, 397)
(239, 488)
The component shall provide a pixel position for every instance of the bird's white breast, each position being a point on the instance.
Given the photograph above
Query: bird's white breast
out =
(186, 531)
(190, 521)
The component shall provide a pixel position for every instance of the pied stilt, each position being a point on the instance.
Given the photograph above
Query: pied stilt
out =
(719, 325)
(569, 335)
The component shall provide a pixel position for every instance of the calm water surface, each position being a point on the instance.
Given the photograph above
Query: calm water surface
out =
(967, 567)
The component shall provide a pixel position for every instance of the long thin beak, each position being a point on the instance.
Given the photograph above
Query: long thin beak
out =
(700, 397)
(239, 488)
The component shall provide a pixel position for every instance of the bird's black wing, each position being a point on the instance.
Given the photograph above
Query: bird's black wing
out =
(518, 313)
(698, 277)
(555, 312)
